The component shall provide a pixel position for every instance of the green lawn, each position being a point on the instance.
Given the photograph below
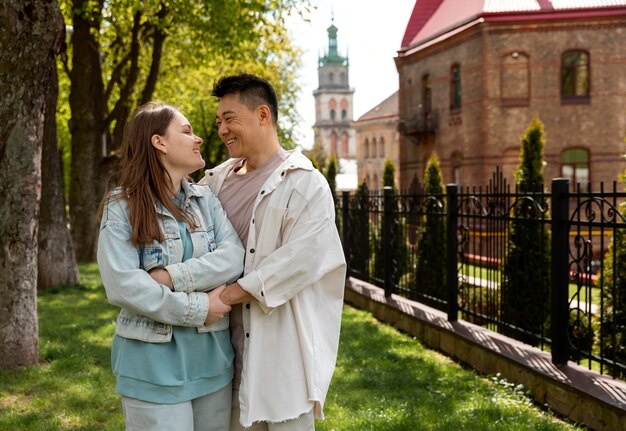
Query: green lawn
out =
(384, 380)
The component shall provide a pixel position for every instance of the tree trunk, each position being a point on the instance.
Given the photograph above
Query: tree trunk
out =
(31, 33)
(89, 135)
(56, 260)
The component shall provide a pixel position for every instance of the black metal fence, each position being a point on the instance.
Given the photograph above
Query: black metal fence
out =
(546, 268)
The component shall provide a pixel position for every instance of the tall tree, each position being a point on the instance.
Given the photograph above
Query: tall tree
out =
(526, 286)
(122, 51)
(32, 32)
(56, 262)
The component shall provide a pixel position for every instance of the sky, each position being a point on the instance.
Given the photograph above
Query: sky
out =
(369, 33)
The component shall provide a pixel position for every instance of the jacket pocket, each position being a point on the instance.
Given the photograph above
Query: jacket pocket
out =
(150, 257)
(269, 237)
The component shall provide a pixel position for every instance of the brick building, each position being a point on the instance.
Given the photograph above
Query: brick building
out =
(378, 140)
(473, 73)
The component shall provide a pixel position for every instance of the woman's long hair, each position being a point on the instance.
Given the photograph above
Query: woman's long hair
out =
(144, 180)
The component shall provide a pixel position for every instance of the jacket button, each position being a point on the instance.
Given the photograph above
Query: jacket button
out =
(251, 250)
(248, 306)
(262, 294)
(210, 174)
(247, 335)
(282, 173)
(262, 192)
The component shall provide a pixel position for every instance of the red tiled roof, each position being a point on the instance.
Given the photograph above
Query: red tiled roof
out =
(422, 11)
(454, 13)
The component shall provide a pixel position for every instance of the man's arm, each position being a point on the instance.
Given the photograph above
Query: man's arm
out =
(234, 294)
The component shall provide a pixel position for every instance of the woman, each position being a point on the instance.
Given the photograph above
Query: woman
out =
(165, 249)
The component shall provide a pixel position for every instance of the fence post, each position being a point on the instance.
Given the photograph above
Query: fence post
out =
(452, 198)
(560, 277)
(345, 228)
(388, 240)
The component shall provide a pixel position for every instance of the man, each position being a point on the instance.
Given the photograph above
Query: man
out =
(286, 311)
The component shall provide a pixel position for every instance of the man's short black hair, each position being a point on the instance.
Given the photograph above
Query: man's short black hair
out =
(252, 90)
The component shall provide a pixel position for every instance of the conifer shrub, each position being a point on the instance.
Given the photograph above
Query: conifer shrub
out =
(399, 251)
(526, 280)
(430, 276)
(612, 335)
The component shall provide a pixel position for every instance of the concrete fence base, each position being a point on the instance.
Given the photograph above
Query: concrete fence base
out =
(582, 395)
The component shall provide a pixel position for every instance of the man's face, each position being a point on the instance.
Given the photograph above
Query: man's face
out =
(237, 126)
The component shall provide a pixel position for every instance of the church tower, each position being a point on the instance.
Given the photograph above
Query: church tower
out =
(333, 104)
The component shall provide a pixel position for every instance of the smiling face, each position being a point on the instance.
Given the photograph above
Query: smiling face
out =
(180, 148)
(238, 126)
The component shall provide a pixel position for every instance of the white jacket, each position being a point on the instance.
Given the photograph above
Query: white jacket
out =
(295, 269)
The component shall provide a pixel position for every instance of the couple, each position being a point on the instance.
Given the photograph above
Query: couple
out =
(208, 325)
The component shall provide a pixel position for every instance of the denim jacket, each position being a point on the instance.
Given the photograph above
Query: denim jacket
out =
(149, 309)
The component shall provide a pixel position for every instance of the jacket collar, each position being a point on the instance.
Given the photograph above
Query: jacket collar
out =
(215, 176)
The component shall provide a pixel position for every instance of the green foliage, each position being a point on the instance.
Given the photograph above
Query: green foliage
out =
(430, 274)
(202, 42)
(526, 286)
(398, 240)
(318, 156)
(389, 171)
(613, 317)
(331, 176)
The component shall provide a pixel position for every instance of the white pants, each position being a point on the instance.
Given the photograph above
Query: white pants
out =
(304, 422)
(208, 413)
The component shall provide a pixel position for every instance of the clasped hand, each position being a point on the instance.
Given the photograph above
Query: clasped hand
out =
(217, 308)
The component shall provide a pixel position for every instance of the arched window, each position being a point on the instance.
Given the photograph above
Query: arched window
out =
(366, 148)
(333, 114)
(427, 100)
(344, 144)
(331, 77)
(575, 75)
(575, 167)
(344, 114)
(455, 87)
(381, 148)
(333, 143)
(374, 149)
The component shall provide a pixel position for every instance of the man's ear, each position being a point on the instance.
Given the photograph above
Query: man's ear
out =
(265, 115)
(158, 143)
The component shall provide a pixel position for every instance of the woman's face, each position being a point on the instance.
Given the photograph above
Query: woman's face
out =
(182, 148)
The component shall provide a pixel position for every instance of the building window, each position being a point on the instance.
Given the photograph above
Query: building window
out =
(375, 184)
(344, 145)
(575, 76)
(344, 114)
(367, 148)
(374, 145)
(331, 78)
(575, 167)
(427, 101)
(455, 87)
(332, 115)
(333, 144)
(381, 148)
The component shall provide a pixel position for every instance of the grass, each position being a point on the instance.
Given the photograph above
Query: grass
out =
(384, 380)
